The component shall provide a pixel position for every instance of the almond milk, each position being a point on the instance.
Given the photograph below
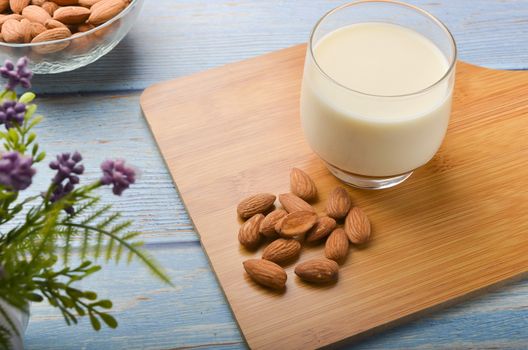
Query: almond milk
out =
(373, 100)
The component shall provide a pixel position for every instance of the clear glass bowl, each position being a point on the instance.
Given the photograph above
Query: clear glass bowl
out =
(78, 50)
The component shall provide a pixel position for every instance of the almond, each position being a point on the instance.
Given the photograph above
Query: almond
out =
(105, 10)
(278, 225)
(4, 18)
(338, 204)
(249, 235)
(18, 5)
(291, 203)
(297, 223)
(255, 204)
(36, 29)
(37, 2)
(36, 14)
(52, 24)
(88, 3)
(266, 273)
(66, 2)
(336, 247)
(50, 7)
(85, 27)
(71, 14)
(321, 229)
(302, 185)
(27, 29)
(282, 250)
(50, 35)
(4, 5)
(319, 270)
(13, 31)
(357, 226)
(267, 227)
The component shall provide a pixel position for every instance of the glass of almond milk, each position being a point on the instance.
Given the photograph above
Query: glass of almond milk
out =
(377, 89)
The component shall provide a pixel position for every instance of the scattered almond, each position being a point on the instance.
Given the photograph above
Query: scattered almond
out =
(105, 10)
(255, 204)
(291, 203)
(338, 204)
(71, 14)
(249, 235)
(336, 247)
(297, 223)
(37, 2)
(357, 226)
(36, 14)
(282, 250)
(266, 273)
(278, 225)
(302, 185)
(319, 270)
(321, 229)
(267, 227)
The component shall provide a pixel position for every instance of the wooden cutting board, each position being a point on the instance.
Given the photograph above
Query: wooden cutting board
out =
(458, 225)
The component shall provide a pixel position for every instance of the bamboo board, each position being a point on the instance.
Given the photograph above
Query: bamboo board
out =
(457, 226)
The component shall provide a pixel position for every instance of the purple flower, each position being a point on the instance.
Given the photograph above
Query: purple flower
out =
(118, 174)
(68, 168)
(15, 171)
(19, 74)
(12, 113)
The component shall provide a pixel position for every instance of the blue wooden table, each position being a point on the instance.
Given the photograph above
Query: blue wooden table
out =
(96, 110)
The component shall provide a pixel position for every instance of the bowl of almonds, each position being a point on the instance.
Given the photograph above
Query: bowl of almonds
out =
(63, 35)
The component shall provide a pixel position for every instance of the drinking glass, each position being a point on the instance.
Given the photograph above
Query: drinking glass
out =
(367, 140)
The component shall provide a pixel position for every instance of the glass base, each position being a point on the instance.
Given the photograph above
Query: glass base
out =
(367, 182)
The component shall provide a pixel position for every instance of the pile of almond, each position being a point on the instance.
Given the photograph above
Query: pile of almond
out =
(295, 223)
(36, 21)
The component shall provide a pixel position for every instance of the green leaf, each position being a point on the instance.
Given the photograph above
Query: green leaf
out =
(37, 298)
(105, 304)
(32, 136)
(95, 322)
(34, 150)
(80, 310)
(109, 320)
(90, 295)
(40, 157)
(13, 135)
(27, 97)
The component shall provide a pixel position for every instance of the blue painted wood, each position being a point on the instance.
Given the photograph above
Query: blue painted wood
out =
(176, 38)
(104, 120)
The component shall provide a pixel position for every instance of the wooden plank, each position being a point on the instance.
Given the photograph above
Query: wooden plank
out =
(470, 233)
(190, 36)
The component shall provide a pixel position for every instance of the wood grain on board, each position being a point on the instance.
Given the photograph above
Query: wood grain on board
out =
(456, 226)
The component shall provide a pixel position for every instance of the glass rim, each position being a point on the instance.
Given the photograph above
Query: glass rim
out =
(76, 35)
(439, 23)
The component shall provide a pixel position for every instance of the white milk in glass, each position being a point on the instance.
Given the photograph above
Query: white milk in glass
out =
(367, 113)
